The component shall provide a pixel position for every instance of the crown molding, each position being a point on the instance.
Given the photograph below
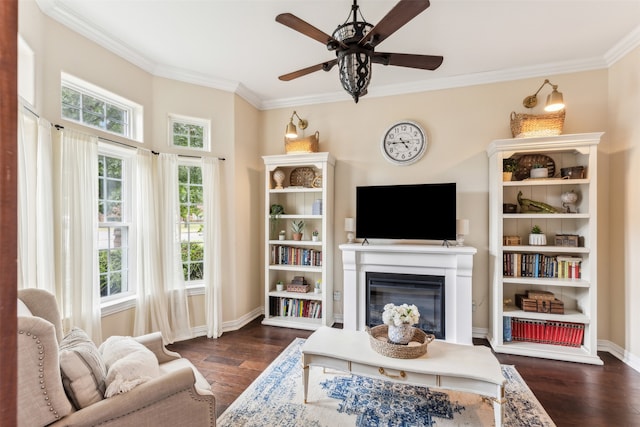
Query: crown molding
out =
(543, 70)
(623, 47)
(68, 18)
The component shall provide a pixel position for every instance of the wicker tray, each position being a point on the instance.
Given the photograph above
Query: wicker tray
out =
(527, 125)
(302, 145)
(416, 348)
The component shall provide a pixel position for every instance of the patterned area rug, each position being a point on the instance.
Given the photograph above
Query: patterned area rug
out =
(337, 399)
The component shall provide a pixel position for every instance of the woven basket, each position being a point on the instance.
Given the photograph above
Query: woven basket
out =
(308, 144)
(524, 125)
(380, 343)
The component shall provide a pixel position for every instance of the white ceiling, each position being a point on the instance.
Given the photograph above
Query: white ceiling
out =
(236, 45)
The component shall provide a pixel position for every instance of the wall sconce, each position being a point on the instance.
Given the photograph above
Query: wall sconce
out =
(462, 229)
(291, 131)
(554, 99)
(350, 228)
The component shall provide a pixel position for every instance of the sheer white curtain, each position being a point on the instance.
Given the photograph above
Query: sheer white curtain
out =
(35, 207)
(162, 298)
(76, 177)
(212, 244)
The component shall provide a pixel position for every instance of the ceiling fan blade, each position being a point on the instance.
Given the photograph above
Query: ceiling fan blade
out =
(424, 62)
(401, 13)
(326, 66)
(307, 29)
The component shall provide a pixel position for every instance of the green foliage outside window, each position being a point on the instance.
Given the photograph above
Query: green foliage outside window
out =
(188, 135)
(191, 221)
(92, 111)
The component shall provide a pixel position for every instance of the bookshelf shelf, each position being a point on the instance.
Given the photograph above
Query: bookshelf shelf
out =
(288, 258)
(508, 272)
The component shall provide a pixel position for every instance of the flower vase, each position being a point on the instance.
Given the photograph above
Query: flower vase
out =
(400, 334)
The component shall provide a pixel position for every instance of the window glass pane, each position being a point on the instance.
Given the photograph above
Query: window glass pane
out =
(192, 225)
(115, 114)
(92, 105)
(181, 141)
(115, 127)
(70, 97)
(196, 174)
(113, 241)
(188, 134)
(95, 107)
(92, 119)
(71, 113)
(114, 189)
(114, 167)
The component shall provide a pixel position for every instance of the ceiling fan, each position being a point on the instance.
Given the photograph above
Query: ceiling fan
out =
(355, 41)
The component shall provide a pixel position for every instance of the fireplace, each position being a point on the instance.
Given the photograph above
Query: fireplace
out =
(453, 264)
(424, 291)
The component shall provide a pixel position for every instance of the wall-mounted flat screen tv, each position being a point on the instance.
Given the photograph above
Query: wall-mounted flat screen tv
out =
(407, 212)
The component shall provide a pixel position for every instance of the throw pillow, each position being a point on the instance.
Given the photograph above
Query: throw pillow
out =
(129, 363)
(82, 369)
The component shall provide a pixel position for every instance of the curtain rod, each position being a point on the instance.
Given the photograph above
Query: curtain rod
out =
(133, 146)
(30, 110)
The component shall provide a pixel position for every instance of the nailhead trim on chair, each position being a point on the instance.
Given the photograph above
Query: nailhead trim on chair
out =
(43, 384)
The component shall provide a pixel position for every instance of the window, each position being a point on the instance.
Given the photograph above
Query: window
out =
(114, 228)
(191, 221)
(95, 107)
(189, 132)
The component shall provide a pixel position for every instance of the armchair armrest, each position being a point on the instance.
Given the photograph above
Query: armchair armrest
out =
(170, 400)
(41, 396)
(153, 342)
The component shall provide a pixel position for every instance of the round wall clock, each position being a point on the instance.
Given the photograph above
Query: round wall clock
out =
(404, 143)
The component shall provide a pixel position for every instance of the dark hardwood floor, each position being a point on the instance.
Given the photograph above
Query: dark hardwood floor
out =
(573, 394)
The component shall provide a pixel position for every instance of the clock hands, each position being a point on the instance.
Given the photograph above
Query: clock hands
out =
(402, 141)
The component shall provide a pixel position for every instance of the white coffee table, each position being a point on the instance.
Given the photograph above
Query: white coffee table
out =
(449, 366)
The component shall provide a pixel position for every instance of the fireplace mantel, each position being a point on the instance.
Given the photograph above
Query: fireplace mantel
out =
(455, 263)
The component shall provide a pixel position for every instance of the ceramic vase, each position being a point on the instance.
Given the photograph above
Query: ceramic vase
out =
(278, 177)
(537, 239)
(539, 173)
(400, 334)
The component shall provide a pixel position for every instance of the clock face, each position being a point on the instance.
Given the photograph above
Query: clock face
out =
(404, 143)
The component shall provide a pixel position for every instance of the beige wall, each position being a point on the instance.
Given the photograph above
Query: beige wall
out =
(460, 123)
(624, 114)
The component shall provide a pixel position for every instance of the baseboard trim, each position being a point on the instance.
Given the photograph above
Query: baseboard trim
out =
(620, 353)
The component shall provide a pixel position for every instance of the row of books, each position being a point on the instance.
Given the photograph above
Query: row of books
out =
(294, 307)
(291, 255)
(517, 264)
(547, 332)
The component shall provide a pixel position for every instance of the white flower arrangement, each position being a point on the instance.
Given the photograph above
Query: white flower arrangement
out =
(397, 315)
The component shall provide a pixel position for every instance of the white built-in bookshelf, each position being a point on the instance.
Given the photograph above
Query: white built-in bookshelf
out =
(307, 185)
(544, 334)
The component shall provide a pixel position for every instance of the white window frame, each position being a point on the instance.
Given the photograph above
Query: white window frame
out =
(127, 155)
(186, 120)
(133, 131)
(194, 162)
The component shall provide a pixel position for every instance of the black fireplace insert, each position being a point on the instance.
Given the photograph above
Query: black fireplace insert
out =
(425, 291)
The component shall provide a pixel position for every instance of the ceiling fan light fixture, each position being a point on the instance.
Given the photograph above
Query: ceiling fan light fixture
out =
(555, 101)
(291, 131)
(354, 43)
(355, 73)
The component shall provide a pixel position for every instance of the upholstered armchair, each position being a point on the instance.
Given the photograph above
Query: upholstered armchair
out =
(179, 396)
